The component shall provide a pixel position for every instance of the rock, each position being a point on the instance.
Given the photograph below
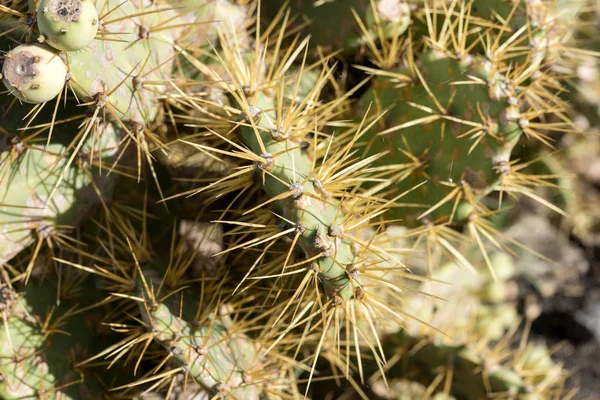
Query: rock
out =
(563, 262)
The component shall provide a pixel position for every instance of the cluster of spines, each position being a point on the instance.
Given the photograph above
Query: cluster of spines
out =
(95, 62)
(459, 94)
(289, 148)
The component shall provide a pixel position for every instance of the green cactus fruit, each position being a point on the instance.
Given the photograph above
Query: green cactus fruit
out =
(68, 25)
(39, 345)
(334, 24)
(34, 73)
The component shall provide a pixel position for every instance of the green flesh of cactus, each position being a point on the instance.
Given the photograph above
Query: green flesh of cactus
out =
(126, 70)
(27, 179)
(37, 364)
(29, 171)
(444, 155)
(227, 356)
(115, 63)
(315, 219)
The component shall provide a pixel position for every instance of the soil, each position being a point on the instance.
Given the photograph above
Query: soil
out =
(573, 321)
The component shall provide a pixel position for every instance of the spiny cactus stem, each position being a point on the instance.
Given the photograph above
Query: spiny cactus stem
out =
(288, 181)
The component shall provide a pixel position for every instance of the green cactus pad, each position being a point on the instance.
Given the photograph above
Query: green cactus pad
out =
(462, 143)
(126, 55)
(28, 174)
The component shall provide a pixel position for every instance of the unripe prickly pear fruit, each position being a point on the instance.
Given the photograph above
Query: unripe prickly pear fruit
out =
(34, 73)
(68, 25)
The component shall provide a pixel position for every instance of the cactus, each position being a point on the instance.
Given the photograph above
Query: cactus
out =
(442, 150)
(298, 227)
(347, 26)
(285, 145)
(214, 353)
(471, 356)
(131, 72)
(107, 67)
(34, 73)
(453, 118)
(205, 339)
(470, 375)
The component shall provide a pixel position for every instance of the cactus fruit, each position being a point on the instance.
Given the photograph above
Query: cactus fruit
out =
(34, 73)
(68, 25)
(107, 67)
